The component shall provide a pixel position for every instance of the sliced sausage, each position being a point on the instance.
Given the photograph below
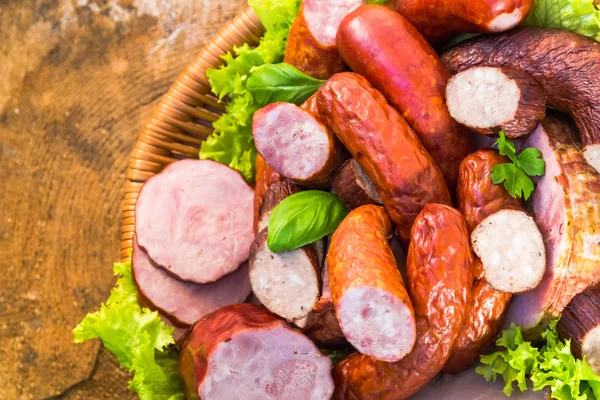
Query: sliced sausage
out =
(439, 274)
(371, 302)
(511, 248)
(385, 147)
(389, 52)
(492, 99)
(195, 220)
(563, 62)
(296, 144)
(265, 177)
(354, 187)
(185, 302)
(440, 20)
(245, 352)
(311, 42)
(287, 283)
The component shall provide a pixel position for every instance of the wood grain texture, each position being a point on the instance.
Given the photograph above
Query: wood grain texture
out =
(78, 79)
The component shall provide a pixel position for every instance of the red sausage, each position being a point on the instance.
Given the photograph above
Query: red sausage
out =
(385, 147)
(265, 177)
(439, 274)
(385, 48)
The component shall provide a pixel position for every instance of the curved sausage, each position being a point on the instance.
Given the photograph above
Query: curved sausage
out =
(385, 147)
(385, 48)
(371, 302)
(440, 20)
(245, 352)
(439, 274)
(311, 42)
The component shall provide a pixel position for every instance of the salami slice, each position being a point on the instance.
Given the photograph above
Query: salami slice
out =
(185, 302)
(195, 219)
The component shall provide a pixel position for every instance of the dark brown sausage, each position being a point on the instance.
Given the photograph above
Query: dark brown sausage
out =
(311, 42)
(440, 20)
(265, 177)
(387, 149)
(439, 274)
(354, 187)
(371, 302)
(244, 351)
(385, 48)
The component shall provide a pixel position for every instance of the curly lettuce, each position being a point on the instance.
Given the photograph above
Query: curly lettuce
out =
(581, 16)
(551, 366)
(138, 338)
(231, 142)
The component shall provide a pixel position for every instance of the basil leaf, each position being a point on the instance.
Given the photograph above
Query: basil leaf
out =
(271, 83)
(304, 218)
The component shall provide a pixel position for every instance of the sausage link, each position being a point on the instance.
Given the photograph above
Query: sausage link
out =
(385, 147)
(385, 48)
(371, 302)
(439, 274)
(265, 177)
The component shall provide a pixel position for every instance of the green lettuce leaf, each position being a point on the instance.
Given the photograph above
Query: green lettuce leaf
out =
(231, 142)
(579, 16)
(138, 338)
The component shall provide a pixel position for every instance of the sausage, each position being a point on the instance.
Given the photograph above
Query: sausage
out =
(492, 99)
(195, 219)
(296, 144)
(311, 42)
(389, 52)
(287, 283)
(245, 352)
(511, 248)
(371, 302)
(385, 147)
(563, 62)
(440, 20)
(265, 176)
(479, 198)
(183, 302)
(439, 274)
(354, 187)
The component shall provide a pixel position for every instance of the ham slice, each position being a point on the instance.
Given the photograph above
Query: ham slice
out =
(566, 208)
(195, 219)
(184, 303)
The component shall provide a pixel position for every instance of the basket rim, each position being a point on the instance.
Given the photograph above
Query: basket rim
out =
(183, 117)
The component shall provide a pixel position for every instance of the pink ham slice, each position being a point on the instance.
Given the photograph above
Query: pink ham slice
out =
(566, 207)
(183, 302)
(195, 220)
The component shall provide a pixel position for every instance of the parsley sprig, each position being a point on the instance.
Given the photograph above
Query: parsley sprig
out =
(515, 174)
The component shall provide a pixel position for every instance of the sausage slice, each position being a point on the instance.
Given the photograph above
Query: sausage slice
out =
(511, 248)
(354, 187)
(371, 302)
(195, 220)
(245, 352)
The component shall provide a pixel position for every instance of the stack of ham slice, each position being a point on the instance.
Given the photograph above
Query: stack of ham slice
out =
(194, 228)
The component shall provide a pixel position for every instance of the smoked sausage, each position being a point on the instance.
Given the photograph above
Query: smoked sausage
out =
(265, 177)
(385, 147)
(389, 52)
(371, 302)
(439, 274)
(311, 42)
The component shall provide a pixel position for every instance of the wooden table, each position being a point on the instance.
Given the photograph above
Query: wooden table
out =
(78, 78)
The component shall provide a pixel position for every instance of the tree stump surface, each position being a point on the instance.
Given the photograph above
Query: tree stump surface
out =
(78, 79)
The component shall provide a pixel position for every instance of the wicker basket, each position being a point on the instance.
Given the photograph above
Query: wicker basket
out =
(184, 116)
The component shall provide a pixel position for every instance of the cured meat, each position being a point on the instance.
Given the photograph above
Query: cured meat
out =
(354, 187)
(566, 208)
(311, 43)
(439, 275)
(296, 144)
(391, 54)
(384, 146)
(245, 352)
(185, 302)
(371, 302)
(492, 99)
(265, 176)
(195, 219)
